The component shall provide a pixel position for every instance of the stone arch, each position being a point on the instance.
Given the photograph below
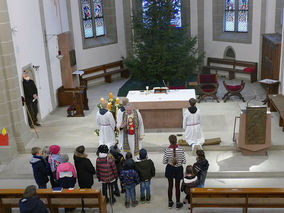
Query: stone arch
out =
(229, 53)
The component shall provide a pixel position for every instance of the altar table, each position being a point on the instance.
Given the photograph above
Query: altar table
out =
(161, 110)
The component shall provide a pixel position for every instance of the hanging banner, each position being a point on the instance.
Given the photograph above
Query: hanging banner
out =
(4, 139)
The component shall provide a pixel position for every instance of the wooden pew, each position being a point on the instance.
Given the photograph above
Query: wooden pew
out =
(276, 103)
(244, 198)
(9, 198)
(232, 66)
(106, 71)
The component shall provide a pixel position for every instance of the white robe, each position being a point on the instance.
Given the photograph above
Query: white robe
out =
(193, 131)
(131, 139)
(106, 125)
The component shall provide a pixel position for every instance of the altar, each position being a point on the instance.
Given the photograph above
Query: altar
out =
(161, 110)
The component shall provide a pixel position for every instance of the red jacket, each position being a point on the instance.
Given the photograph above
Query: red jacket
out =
(106, 170)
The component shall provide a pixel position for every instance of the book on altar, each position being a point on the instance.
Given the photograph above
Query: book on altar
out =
(160, 89)
(57, 189)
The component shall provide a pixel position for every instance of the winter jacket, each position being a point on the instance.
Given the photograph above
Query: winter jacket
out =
(145, 169)
(65, 170)
(39, 169)
(188, 183)
(32, 205)
(85, 171)
(106, 169)
(129, 177)
(200, 169)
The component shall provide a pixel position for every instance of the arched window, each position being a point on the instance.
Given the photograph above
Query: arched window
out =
(236, 16)
(93, 18)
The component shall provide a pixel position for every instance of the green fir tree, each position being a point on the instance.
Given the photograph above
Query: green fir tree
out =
(160, 50)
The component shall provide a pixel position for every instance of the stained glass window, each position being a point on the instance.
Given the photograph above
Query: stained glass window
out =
(236, 16)
(176, 21)
(92, 15)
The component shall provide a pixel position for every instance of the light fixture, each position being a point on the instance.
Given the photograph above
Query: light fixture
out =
(36, 67)
(59, 56)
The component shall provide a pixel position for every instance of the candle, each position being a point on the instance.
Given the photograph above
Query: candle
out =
(109, 106)
(110, 95)
(4, 139)
(102, 100)
(117, 101)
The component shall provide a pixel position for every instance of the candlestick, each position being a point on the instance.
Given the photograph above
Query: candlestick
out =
(102, 100)
(117, 101)
(109, 106)
(110, 95)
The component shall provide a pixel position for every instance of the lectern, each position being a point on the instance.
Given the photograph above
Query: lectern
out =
(254, 136)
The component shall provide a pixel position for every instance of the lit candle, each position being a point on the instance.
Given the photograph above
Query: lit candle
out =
(102, 100)
(110, 95)
(117, 101)
(4, 139)
(109, 106)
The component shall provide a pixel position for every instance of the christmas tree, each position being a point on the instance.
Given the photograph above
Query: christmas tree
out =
(161, 51)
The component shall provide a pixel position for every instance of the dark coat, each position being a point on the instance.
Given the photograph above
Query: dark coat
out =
(39, 169)
(188, 183)
(85, 171)
(29, 90)
(32, 205)
(145, 169)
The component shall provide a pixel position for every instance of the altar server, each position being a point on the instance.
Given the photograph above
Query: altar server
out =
(119, 114)
(191, 124)
(106, 123)
(131, 123)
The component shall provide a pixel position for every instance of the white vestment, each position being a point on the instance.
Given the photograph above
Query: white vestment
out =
(131, 139)
(106, 125)
(193, 131)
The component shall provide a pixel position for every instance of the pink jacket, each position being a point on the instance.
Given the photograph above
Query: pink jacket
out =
(65, 167)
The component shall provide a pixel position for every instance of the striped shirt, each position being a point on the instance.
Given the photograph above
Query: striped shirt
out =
(169, 156)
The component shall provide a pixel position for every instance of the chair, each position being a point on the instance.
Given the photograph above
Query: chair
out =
(208, 86)
(233, 90)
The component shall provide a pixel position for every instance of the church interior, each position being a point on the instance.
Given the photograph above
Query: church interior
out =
(50, 40)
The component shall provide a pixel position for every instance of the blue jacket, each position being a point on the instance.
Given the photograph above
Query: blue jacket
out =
(129, 177)
(39, 169)
(32, 205)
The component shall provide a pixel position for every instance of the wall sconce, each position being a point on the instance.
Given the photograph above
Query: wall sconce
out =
(36, 68)
(59, 56)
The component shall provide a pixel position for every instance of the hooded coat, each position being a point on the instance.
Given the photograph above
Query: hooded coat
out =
(39, 169)
(32, 205)
(85, 170)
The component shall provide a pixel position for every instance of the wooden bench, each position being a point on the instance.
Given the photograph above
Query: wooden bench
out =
(9, 198)
(244, 198)
(233, 66)
(276, 103)
(106, 71)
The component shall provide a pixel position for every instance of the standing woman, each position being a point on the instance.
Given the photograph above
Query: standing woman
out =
(174, 157)
(200, 167)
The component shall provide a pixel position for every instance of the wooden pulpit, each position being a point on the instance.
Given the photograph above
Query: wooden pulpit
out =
(254, 137)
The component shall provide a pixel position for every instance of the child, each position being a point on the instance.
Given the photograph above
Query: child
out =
(84, 167)
(146, 171)
(106, 171)
(39, 168)
(200, 167)
(129, 178)
(65, 173)
(31, 202)
(54, 159)
(45, 154)
(118, 157)
(189, 181)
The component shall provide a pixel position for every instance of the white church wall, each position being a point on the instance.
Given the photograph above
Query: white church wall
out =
(248, 52)
(270, 16)
(29, 46)
(98, 55)
(193, 18)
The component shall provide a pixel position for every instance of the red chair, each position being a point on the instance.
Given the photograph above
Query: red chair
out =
(208, 86)
(233, 90)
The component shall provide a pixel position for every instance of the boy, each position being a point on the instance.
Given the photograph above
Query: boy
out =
(146, 170)
(39, 168)
(129, 178)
